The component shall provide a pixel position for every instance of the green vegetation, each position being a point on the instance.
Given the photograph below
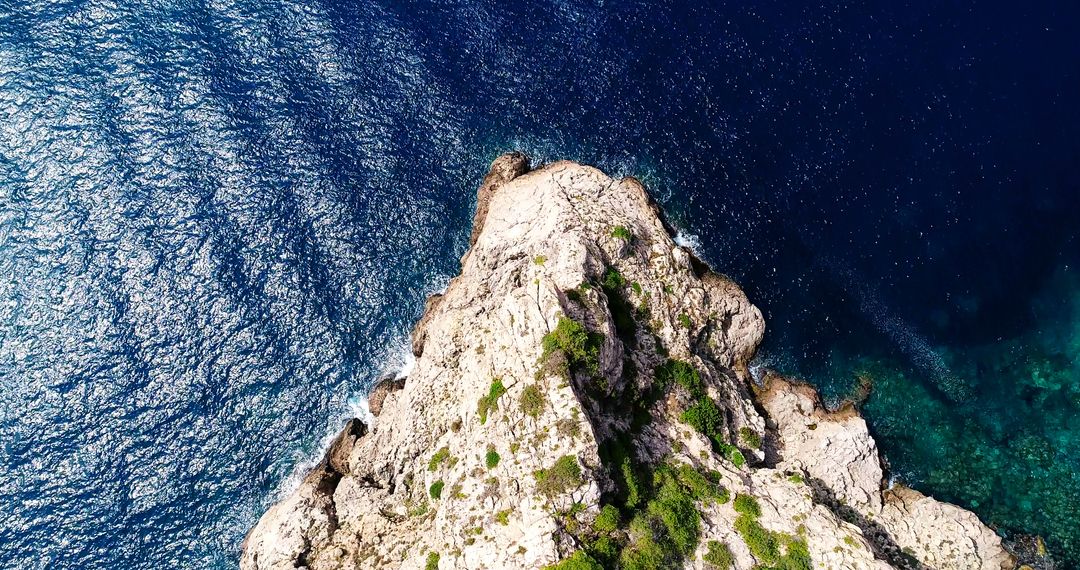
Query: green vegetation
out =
(719, 555)
(532, 401)
(636, 287)
(705, 417)
(490, 403)
(795, 478)
(568, 428)
(580, 347)
(441, 455)
(622, 232)
(613, 279)
(503, 517)
(419, 510)
(773, 550)
(577, 561)
(747, 505)
(655, 522)
(491, 458)
(539, 260)
(684, 320)
(761, 542)
(561, 477)
(436, 489)
(607, 521)
(733, 454)
(667, 529)
(705, 488)
(432, 561)
(796, 556)
(681, 373)
(750, 437)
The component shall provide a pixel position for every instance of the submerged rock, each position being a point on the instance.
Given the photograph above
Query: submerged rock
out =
(581, 394)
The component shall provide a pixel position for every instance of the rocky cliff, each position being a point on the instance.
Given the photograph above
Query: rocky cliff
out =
(581, 398)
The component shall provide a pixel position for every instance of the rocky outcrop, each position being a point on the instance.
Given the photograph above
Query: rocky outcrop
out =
(581, 392)
(834, 452)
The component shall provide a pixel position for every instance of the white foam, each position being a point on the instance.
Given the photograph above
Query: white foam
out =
(358, 408)
(305, 463)
(757, 367)
(399, 362)
(688, 240)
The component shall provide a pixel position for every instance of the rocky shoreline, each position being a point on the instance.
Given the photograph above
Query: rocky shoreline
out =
(581, 399)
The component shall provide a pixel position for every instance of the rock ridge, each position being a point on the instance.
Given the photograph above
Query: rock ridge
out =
(582, 398)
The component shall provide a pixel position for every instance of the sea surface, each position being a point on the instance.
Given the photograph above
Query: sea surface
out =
(219, 219)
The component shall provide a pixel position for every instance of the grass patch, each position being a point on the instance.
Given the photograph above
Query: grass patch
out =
(616, 454)
(561, 477)
(490, 403)
(503, 517)
(705, 417)
(733, 455)
(668, 528)
(719, 555)
(701, 487)
(684, 320)
(613, 279)
(568, 428)
(659, 523)
(579, 560)
(747, 505)
(703, 414)
(532, 401)
(581, 347)
(761, 542)
(773, 550)
(436, 489)
(432, 562)
(539, 260)
(491, 458)
(441, 455)
(680, 373)
(622, 232)
(607, 521)
(750, 437)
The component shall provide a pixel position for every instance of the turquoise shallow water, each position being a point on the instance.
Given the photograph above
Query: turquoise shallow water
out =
(994, 425)
(218, 221)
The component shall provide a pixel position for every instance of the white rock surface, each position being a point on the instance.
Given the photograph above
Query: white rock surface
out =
(537, 237)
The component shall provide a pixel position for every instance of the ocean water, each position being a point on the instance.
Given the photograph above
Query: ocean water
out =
(218, 221)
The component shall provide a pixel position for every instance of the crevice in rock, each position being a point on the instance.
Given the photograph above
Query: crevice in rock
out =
(882, 543)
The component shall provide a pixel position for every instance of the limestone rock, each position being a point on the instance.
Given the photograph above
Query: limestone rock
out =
(497, 452)
(834, 451)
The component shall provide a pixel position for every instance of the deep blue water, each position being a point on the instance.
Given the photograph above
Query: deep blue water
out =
(218, 221)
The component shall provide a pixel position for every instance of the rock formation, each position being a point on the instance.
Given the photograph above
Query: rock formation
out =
(581, 397)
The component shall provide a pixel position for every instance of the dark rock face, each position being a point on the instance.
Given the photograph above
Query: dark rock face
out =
(419, 333)
(337, 457)
(383, 388)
